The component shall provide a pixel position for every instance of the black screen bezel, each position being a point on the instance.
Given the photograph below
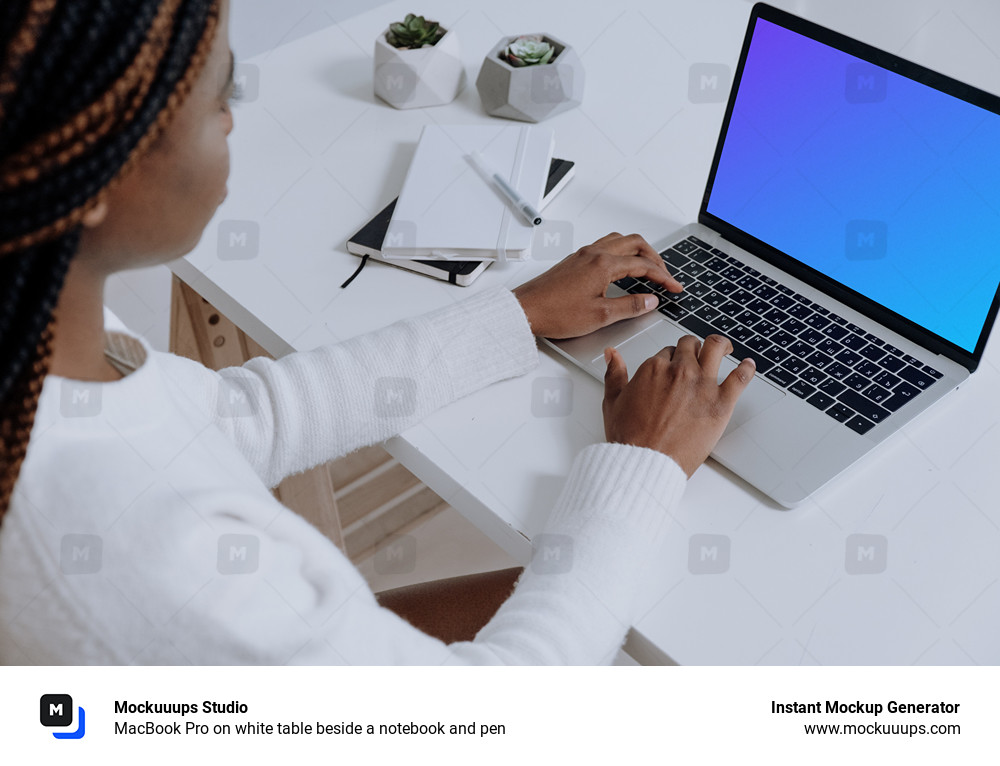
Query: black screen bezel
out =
(854, 299)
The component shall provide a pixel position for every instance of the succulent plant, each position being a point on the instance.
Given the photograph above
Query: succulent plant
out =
(528, 50)
(414, 32)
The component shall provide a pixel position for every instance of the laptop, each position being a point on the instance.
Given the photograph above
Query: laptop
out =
(848, 241)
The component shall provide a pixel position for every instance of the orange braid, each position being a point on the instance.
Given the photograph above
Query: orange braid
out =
(17, 416)
(96, 121)
(72, 219)
(22, 46)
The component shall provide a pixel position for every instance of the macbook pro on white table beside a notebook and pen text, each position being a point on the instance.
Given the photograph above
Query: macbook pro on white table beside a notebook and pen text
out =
(847, 241)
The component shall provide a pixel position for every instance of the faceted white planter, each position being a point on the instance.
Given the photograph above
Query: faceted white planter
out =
(411, 79)
(531, 93)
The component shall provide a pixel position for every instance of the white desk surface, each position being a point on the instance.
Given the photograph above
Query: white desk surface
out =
(315, 155)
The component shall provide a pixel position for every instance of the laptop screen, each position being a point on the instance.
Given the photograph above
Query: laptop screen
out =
(879, 182)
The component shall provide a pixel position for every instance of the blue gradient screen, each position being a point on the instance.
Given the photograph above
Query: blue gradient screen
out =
(888, 186)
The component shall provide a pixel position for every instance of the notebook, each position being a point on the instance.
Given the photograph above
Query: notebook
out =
(368, 241)
(846, 242)
(446, 210)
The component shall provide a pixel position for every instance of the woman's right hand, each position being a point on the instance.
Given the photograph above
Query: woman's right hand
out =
(674, 403)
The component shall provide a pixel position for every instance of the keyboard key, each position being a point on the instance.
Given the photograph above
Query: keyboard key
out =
(725, 287)
(765, 292)
(716, 251)
(674, 260)
(783, 339)
(708, 314)
(726, 324)
(782, 301)
(820, 310)
(701, 256)
(913, 361)
(741, 333)
(829, 346)
(699, 243)
(730, 309)
(625, 282)
(732, 273)
(765, 328)
(835, 331)
(716, 264)
(820, 400)
(893, 350)
(838, 371)
(886, 379)
(685, 246)
(848, 357)
(917, 377)
(868, 369)
(812, 376)
(800, 349)
(864, 406)
(776, 354)
(748, 318)
(671, 310)
(875, 341)
(893, 363)
(759, 306)
(818, 322)
(775, 315)
(710, 279)
(799, 311)
(700, 327)
(758, 343)
(747, 282)
(854, 342)
(819, 360)
(894, 402)
(811, 336)
(932, 372)
(860, 425)
(695, 269)
(873, 352)
(698, 289)
(795, 365)
(855, 329)
(876, 393)
(840, 412)
(857, 382)
(831, 387)
(839, 320)
(714, 299)
(742, 297)
(801, 389)
(784, 290)
(794, 326)
(781, 376)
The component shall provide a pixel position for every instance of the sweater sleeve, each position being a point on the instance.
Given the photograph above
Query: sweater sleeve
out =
(573, 605)
(288, 415)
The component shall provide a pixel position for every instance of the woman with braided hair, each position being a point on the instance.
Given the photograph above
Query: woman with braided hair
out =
(115, 517)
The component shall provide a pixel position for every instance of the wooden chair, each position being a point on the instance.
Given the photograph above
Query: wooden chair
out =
(358, 501)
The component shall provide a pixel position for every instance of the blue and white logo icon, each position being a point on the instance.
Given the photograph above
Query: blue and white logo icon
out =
(56, 710)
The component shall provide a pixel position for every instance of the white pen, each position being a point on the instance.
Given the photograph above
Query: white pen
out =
(521, 205)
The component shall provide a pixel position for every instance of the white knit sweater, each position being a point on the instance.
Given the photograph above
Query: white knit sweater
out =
(142, 529)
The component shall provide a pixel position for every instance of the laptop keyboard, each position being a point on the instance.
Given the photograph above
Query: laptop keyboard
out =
(848, 373)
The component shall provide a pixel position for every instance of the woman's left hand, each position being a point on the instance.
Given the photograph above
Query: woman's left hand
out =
(569, 299)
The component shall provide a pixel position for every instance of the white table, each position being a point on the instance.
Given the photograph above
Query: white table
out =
(315, 155)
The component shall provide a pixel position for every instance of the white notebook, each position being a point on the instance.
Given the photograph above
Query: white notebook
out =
(447, 210)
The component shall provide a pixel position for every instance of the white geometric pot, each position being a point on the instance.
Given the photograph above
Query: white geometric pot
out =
(412, 79)
(531, 93)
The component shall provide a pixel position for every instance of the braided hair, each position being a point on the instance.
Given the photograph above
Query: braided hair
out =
(86, 87)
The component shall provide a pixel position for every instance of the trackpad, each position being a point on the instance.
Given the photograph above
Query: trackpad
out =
(757, 397)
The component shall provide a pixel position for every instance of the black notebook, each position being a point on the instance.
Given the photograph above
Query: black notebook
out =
(368, 241)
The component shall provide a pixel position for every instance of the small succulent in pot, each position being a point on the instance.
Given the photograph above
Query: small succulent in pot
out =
(414, 32)
(528, 50)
